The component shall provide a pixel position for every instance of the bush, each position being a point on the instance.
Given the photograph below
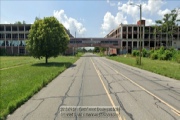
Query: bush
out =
(148, 53)
(176, 57)
(161, 50)
(144, 52)
(151, 52)
(173, 51)
(162, 57)
(154, 56)
(135, 53)
(168, 55)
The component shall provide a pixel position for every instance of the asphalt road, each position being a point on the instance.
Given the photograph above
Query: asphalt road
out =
(93, 86)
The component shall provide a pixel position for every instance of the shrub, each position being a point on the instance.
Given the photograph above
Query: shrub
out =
(148, 53)
(162, 57)
(161, 50)
(144, 52)
(154, 56)
(135, 53)
(168, 55)
(173, 51)
(151, 51)
(177, 57)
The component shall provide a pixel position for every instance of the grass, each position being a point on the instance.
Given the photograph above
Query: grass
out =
(167, 68)
(79, 54)
(18, 84)
(8, 61)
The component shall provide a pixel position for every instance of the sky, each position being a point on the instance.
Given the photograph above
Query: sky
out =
(86, 18)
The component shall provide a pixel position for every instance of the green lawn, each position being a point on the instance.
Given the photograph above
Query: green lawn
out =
(15, 61)
(18, 84)
(167, 68)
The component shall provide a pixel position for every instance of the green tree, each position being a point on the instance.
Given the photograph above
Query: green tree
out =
(102, 49)
(167, 25)
(47, 38)
(90, 50)
(96, 49)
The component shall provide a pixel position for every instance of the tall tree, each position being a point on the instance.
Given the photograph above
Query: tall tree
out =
(47, 38)
(168, 25)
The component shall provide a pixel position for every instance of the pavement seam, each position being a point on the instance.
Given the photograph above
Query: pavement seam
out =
(115, 94)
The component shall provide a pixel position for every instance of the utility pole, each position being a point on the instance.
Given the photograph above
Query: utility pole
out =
(140, 40)
(140, 35)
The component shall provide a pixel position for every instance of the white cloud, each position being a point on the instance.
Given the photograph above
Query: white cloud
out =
(152, 6)
(70, 23)
(129, 9)
(119, 3)
(163, 12)
(149, 8)
(148, 21)
(111, 3)
(110, 22)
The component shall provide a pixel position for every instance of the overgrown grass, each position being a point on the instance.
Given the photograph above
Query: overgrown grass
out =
(79, 54)
(10, 61)
(18, 84)
(167, 68)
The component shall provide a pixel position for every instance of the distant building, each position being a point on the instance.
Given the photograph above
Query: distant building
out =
(13, 37)
(130, 35)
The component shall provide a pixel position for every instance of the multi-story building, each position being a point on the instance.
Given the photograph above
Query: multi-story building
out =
(13, 37)
(130, 37)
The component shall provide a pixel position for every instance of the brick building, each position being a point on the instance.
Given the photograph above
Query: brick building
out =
(130, 37)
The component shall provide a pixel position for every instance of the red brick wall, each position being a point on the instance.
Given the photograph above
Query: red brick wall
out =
(143, 22)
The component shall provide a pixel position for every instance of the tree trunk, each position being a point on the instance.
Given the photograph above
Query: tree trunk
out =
(46, 59)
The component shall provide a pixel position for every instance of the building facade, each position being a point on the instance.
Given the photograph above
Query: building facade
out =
(12, 38)
(130, 37)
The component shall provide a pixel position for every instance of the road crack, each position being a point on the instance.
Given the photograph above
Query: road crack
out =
(158, 106)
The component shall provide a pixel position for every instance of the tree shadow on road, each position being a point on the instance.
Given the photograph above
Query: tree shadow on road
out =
(54, 64)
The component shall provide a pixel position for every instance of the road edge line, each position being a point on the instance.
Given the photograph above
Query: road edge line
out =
(174, 109)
